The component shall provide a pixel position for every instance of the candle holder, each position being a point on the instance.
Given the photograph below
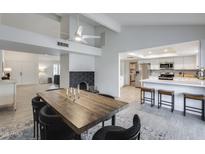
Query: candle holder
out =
(72, 94)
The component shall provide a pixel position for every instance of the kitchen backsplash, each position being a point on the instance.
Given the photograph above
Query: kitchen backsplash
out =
(184, 73)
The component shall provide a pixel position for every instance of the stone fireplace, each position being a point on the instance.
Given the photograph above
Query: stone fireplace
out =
(83, 85)
(85, 80)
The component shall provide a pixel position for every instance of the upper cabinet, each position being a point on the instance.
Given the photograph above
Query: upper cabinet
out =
(154, 64)
(190, 62)
(178, 62)
(201, 55)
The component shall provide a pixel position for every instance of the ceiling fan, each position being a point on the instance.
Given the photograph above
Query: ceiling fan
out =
(79, 37)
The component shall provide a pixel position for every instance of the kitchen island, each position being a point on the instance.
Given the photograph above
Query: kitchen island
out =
(180, 86)
(7, 94)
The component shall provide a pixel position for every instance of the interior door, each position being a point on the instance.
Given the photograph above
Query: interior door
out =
(16, 69)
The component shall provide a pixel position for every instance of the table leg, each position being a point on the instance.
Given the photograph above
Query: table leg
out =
(84, 136)
(78, 137)
(113, 120)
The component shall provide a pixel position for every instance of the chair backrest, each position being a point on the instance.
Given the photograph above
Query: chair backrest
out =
(37, 104)
(51, 125)
(106, 95)
(48, 117)
(128, 134)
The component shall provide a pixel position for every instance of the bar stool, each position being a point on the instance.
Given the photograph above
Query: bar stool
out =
(194, 109)
(143, 98)
(163, 102)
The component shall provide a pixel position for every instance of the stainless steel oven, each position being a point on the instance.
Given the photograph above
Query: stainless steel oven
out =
(166, 65)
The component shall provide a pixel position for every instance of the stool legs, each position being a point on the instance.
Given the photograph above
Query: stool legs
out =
(143, 98)
(203, 118)
(194, 109)
(171, 103)
(159, 100)
(152, 99)
(184, 106)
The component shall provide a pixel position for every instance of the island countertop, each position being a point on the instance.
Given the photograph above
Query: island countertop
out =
(179, 86)
(7, 82)
(180, 82)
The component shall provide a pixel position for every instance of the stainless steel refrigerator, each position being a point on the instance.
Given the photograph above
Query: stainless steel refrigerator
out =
(142, 73)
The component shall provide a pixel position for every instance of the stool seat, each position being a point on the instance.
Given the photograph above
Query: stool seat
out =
(147, 89)
(198, 97)
(144, 98)
(194, 96)
(161, 102)
(166, 92)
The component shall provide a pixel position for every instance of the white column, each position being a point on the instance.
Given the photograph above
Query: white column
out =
(65, 26)
(1, 63)
(64, 70)
(202, 54)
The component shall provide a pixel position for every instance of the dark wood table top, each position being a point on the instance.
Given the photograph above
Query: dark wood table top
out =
(87, 111)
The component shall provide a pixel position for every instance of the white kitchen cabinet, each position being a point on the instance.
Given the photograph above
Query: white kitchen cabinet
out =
(146, 60)
(166, 60)
(154, 64)
(141, 61)
(178, 62)
(202, 54)
(190, 62)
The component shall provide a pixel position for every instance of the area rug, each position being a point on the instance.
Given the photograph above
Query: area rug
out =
(157, 124)
(24, 131)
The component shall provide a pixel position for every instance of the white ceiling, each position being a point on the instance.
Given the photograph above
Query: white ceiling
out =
(140, 19)
(181, 49)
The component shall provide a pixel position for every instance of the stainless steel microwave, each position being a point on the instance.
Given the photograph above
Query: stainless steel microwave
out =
(166, 66)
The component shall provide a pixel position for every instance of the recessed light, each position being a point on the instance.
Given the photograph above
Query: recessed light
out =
(165, 50)
(131, 54)
(150, 52)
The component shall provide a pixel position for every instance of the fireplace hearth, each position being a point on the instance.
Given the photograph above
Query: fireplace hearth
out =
(85, 80)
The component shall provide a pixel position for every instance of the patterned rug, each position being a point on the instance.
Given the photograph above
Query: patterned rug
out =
(24, 131)
(157, 124)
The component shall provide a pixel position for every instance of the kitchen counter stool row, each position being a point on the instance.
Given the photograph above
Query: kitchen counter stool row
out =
(151, 98)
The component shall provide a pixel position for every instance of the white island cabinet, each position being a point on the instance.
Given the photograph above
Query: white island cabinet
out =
(179, 87)
(7, 94)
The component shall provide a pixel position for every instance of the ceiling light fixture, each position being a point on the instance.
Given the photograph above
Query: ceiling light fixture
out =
(165, 50)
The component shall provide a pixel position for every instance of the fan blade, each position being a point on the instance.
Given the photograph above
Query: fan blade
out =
(84, 41)
(90, 36)
(79, 31)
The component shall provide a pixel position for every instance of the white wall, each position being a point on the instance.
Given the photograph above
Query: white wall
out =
(64, 70)
(79, 62)
(32, 22)
(87, 29)
(1, 61)
(124, 71)
(135, 38)
(48, 71)
(22, 62)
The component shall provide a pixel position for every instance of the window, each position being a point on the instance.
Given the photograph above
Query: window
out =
(56, 69)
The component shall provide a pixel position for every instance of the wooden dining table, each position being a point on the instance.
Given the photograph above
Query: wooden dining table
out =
(86, 111)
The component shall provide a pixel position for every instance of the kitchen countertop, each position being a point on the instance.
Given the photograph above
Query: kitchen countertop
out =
(181, 82)
(7, 82)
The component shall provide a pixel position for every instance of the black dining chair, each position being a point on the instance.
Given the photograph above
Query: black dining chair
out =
(108, 96)
(120, 133)
(52, 126)
(37, 104)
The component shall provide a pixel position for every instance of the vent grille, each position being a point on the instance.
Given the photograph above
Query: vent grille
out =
(62, 44)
